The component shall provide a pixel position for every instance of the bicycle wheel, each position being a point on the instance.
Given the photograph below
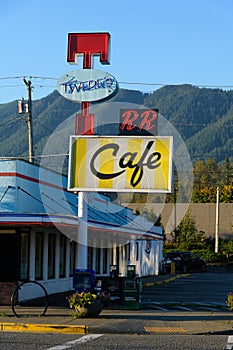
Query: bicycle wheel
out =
(29, 298)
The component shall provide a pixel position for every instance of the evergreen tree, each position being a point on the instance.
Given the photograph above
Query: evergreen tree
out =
(187, 233)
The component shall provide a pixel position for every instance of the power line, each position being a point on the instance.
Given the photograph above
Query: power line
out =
(175, 84)
(126, 82)
(10, 121)
(28, 76)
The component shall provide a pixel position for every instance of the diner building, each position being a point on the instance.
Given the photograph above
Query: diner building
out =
(39, 225)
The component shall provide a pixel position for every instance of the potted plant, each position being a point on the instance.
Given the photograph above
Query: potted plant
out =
(87, 304)
(230, 301)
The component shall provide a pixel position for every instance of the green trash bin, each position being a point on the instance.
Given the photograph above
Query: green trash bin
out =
(131, 293)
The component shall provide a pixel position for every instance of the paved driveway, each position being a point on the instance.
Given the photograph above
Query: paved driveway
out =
(195, 290)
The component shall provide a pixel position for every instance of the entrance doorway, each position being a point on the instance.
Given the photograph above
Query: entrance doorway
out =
(9, 257)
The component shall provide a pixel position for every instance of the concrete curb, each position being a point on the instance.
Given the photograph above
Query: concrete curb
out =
(170, 279)
(45, 328)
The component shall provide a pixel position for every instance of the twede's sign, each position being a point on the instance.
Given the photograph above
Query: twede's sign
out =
(121, 163)
(87, 85)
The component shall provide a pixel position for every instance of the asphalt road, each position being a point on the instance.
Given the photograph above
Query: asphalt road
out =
(15, 341)
(208, 289)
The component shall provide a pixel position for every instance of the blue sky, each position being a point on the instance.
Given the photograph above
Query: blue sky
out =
(152, 42)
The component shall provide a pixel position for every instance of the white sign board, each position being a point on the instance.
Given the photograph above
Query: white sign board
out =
(87, 85)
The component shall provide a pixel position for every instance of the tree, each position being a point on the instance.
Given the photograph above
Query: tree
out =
(226, 247)
(207, 195)
(208, 175)
(187, 233)
(227, 172)
(226, 194)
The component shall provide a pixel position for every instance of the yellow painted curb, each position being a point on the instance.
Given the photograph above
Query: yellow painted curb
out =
(45, 328)
(170, 279)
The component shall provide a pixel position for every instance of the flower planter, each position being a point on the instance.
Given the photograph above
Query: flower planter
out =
(91, 310)
(87, 304)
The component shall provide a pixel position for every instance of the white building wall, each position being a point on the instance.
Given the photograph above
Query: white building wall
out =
(149, 257)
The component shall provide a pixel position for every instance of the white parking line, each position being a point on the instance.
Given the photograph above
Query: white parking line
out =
(184, 308)
(71, 343)
(157, 307)
(229, 343)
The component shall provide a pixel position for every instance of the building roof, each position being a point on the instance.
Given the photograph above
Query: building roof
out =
(33, 195)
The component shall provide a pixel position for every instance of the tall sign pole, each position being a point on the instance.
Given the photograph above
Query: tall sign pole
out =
(87, 45)
(29, 120)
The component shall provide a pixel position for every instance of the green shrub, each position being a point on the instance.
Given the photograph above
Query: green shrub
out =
(209, 255)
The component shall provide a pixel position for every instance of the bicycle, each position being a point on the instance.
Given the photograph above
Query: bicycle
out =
(29, 298)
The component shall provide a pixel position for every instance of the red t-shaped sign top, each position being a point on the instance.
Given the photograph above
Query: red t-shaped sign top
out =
(88, 44)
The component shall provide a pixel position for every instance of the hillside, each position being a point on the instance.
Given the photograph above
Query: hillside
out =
(203, 117)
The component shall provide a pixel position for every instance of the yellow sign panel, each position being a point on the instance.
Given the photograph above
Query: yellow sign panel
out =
(120, 163)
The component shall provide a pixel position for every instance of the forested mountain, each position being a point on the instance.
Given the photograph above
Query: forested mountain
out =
(203, 117)
(191, 109)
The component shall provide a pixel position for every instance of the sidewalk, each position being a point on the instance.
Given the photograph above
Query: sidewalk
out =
(59, 319)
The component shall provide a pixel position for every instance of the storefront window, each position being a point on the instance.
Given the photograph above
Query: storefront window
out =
(51, 256)
(72, 257)
(39, 256)
(97, 261)
(24, 256)
(127, 251)
(137, 251)
(111, 256)
(90, 258)
(62, 256)
(105, 260)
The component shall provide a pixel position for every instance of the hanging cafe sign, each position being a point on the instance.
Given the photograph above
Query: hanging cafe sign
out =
(120, 163)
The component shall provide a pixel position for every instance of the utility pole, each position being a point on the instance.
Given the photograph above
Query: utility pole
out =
(29, 120)
(175, 232)
(217, 221)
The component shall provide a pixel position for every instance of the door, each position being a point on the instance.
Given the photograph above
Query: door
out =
(9, 254)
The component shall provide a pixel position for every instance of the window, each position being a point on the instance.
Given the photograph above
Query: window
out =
(105, 260)
(111, 256)
(72, 257)
(137, 251)
(39, 256)
(127, 251)
(51, 255)
(24, 256)
(90, 258)
(62, 256)
(97, 260)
